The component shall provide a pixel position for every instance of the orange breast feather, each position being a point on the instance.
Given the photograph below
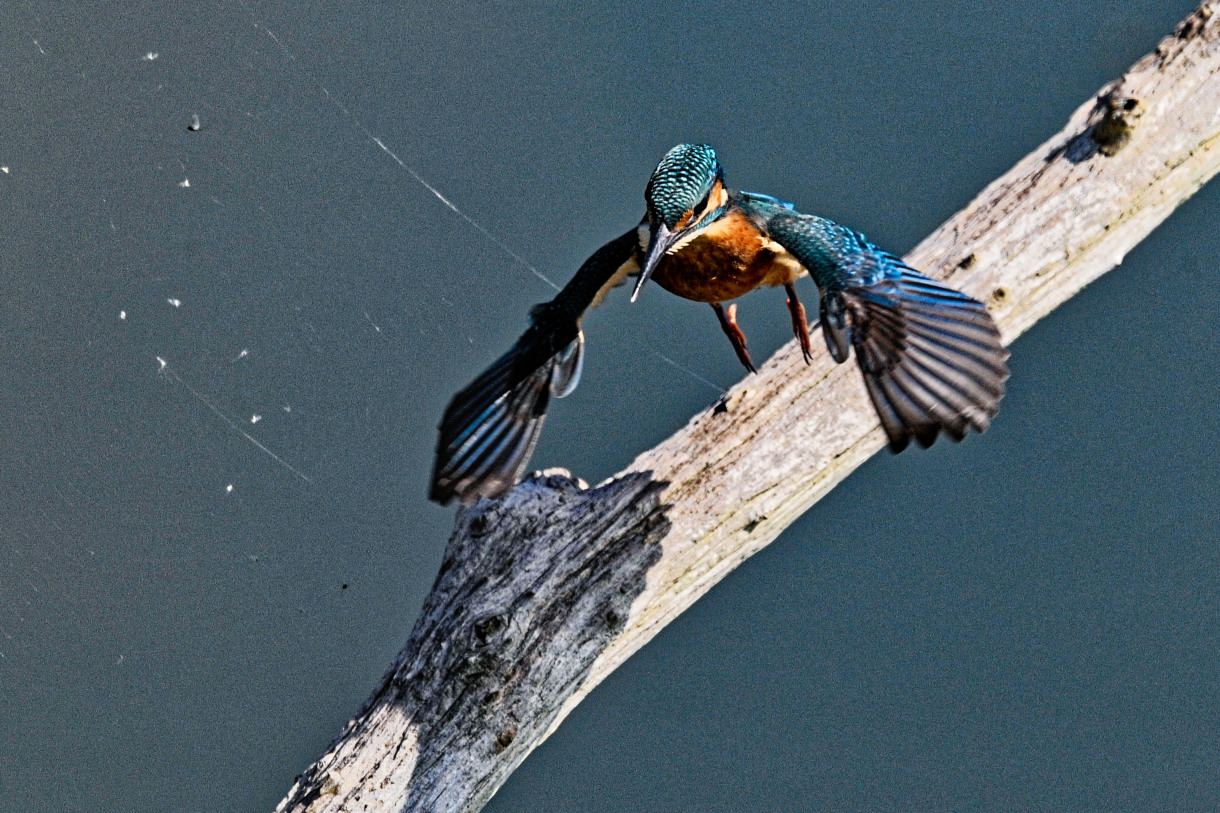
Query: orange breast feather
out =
(728, 259)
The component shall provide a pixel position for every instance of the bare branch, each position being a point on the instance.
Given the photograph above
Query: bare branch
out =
(544, 593)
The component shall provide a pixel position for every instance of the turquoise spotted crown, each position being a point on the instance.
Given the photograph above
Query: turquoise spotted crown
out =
(683, 178)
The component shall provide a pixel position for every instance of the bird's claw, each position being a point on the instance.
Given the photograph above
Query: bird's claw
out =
(800, 323)
(728, 323)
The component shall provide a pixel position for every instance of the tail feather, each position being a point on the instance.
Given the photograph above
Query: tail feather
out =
(490, 428)
(931, 357)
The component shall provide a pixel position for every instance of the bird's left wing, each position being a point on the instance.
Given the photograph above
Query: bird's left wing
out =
(931, 356)
(490, 428)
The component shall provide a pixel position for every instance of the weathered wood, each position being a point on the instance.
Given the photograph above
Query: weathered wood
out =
(544, 593)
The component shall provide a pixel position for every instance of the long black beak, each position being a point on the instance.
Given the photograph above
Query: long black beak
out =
(658, 243)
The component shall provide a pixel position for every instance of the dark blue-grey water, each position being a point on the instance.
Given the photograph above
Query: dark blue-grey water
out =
(1027, 621)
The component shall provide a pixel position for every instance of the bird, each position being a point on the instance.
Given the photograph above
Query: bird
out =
(931, 356)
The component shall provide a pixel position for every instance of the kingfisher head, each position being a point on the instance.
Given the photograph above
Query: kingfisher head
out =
(683, 194)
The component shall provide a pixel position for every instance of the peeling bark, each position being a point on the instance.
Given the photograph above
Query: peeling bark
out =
(544, 593)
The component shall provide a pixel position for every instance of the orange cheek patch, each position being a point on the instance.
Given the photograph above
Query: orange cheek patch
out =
(684, 220)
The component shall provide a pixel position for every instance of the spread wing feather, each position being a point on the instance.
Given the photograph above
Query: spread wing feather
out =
(931, 356)
(490, 428)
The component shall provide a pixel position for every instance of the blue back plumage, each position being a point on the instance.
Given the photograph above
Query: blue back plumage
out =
(759, 200)
(836, 257)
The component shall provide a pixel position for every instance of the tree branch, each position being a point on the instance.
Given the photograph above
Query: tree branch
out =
(544, 593)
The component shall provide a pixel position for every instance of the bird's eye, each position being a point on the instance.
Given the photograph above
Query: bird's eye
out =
(699, 207)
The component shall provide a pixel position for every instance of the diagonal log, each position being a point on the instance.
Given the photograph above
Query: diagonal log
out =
(544, 593)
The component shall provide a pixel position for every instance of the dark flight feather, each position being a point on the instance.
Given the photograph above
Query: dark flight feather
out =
(490, 428)
(931, 357)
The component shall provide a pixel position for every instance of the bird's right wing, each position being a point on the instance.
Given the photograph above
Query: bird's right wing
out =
(490, 428)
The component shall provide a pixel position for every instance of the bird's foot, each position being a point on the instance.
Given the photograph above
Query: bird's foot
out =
(800, 323)
(728, 323)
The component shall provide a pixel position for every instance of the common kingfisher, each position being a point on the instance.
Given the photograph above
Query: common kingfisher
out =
(931, 356)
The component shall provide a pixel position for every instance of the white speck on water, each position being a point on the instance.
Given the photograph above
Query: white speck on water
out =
(255, 418)
(229, 488)
(151, 56)
(120, 660)
(288, 408)
(168, 371)
(4, 170)
(122, 314)
(244, 352)
(194, 125)
(186, 182)
(162, 362)
(177, 303)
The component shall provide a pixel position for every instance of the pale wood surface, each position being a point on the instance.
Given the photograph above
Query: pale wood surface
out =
(544, 593)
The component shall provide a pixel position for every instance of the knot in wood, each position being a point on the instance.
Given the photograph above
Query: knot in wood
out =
(505, 738)
(1195, 23)
(1119, 114)
(479, 525)
(487, 630)
(482, 665)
